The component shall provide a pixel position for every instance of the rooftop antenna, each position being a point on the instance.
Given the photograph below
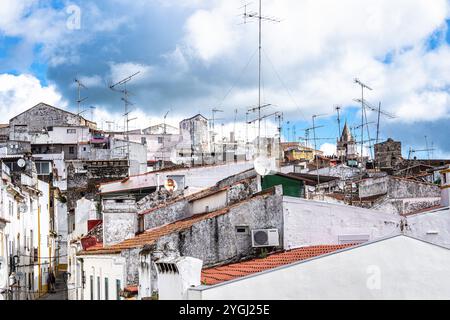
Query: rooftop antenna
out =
(314, 117)
(92, 112)
(338, 110)
(164, 123)
(80, 85)
(127, 103)
(109, 125)
(279, 117)
(363, 86)
(214, 111)
(258, 15)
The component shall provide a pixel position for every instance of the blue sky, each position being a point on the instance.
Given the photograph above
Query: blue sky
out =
(195, 55)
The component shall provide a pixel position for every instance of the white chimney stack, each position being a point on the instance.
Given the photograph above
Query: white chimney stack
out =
(176, 276)
(445, 187)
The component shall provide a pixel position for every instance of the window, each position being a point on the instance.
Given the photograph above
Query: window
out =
(98, 288)
(71, 131)
(117, 289)
(71, 150)
(160, 140)
(11, 208)
(106, 288)
(43, 168)
(92, 287)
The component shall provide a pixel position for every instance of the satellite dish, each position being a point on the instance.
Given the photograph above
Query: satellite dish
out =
(170, 185)
(265, 166)
(21, 163)
(23, 208)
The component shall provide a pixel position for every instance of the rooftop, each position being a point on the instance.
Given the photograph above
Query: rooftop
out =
(151, 236)
(216, 275)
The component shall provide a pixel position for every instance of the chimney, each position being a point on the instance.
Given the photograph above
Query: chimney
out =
(445, 187)
(176, 276)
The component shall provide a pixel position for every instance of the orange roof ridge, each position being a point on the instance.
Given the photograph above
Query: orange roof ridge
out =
(219, 274)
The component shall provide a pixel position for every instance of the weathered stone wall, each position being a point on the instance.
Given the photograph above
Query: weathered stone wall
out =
(397, 188)
(401, 188)
(216, 241)
(118, 227)
(168, 214)
(406, 206)
(43, 116)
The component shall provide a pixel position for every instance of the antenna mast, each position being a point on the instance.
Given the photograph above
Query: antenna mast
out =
(127, 103)
(363, 86)
(80, 100)
(260, 18)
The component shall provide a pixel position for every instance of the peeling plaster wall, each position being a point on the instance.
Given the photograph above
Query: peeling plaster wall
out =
(215, 240)
(397, 188)
(405, 206)
(119, 220)
(308, 223)
(167, 214)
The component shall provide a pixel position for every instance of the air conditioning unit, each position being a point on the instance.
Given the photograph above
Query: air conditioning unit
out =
(265, 238)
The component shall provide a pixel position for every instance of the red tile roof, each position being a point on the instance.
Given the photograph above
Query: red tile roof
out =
(229, 272)
(131, 289)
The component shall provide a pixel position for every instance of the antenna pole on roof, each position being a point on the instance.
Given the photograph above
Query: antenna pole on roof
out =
(127, 103)
(80, 85)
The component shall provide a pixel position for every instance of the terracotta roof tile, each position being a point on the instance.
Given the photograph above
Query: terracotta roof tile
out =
(229, 272)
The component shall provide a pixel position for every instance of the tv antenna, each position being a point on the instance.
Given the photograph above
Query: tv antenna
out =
(213, 124)
(127, 103)
(258, 16)
(314, 117)
(80, 86)
(363, 86)
(338, 110)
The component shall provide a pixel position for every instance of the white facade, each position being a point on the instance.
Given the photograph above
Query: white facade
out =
(105, 277)
(394, 268)
(308, 223)
(62, 135)
(84, 211)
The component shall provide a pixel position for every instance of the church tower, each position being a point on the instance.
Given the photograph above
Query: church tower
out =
(346, 145)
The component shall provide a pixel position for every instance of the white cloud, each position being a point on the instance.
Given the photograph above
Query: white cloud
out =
(119, 71)
(19, 93)
(321, 46)
(328, 149)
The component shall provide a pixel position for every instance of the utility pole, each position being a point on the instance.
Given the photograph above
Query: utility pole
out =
(363, 86)
(260, 17)
(127, 103)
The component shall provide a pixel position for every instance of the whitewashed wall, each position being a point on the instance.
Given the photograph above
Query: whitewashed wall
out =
(105, 266)
(396, 268)
(433, 226)
(316, 223)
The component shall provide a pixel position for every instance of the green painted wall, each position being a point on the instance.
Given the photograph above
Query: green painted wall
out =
(291, 187)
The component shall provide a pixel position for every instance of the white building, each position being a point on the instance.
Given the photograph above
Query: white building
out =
(399, 267)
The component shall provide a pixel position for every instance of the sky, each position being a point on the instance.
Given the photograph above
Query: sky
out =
(195, 55)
